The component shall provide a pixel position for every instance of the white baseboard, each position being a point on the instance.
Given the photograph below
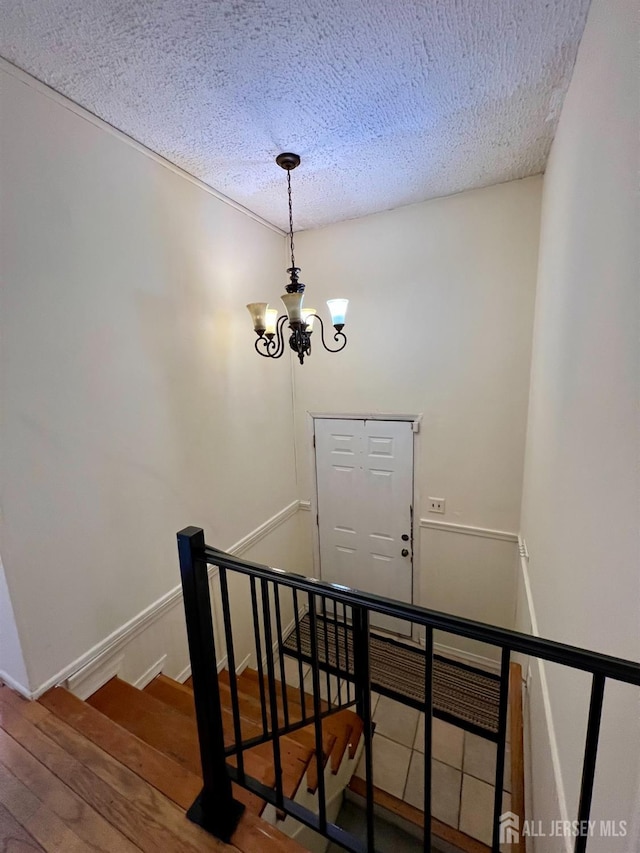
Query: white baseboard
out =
(184, 674)
(154, 670)
(5, 678)
(469, 658)
(104, 660)
(223, 663)
(95, 674)
(244, 663)
(544, 688)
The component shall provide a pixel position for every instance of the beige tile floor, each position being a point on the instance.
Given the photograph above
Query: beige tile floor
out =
(463, 764)
(463, 768)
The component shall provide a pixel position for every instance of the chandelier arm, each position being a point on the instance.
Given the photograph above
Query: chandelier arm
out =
(282, 319)
(263, 346)
(338, 337)
(272, 347)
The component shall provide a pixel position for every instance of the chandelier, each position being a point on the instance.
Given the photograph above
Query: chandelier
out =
(269, 327)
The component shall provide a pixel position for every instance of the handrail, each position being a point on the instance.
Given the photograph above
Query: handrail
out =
(216, 809)
(588, 661)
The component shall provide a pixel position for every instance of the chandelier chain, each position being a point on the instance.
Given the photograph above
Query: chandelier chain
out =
(293, 260)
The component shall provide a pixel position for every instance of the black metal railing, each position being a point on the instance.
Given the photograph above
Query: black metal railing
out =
(215, 808)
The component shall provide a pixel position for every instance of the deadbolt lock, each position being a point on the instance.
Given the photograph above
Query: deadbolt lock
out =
(405, 537)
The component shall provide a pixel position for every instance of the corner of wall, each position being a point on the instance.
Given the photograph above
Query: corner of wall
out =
(13, 670)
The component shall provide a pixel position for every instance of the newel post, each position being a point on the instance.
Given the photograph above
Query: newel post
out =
(214, 809)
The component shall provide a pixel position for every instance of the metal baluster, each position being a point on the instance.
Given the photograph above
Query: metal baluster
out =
(362, 670)
(296, 616)
(214, 809)
(317, 720)
(231, 663)
(590, 755)
(502, 743)
(326, 649)
(283, 683)
(428, 724)
(334, 622)
(346, 650)
(256, 632)
(273, 699)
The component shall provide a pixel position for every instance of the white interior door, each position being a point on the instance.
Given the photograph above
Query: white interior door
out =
(364, 471)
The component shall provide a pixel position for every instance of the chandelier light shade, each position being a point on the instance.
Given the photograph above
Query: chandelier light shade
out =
(269, 327)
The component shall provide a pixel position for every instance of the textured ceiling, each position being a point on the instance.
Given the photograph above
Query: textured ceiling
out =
(388, 102)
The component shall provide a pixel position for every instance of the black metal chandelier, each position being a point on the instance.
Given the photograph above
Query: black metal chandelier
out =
(270, 328)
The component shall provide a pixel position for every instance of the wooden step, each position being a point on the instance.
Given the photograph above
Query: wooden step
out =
(251, 707)
(172, 693)
(250, 710)
(413, 815)
(59, 770)
(174, 733)
(166, 729)
(340, 730)
(249, 682)
(173, 780)
(346, 727)
(150, 720)
(296, 750)
(252, 704)
(181, 699)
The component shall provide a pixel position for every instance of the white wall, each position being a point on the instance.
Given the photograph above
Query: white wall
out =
(12, 668)
(439, 323)
(134, 403)
(582, 485)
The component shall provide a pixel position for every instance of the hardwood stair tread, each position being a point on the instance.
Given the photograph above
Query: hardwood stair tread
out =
(173, 780)
(138, 750)
(249, 682)
(251, 708)
(172, 693)
(340, 730)
(413, 815)
(149, 820)
(175, 733)
(252, 705)
(294, 757)
(166, 729)
(151, 720)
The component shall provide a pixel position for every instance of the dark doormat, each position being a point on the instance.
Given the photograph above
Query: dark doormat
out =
(462, 695)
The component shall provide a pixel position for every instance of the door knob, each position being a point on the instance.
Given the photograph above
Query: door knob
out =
(404, 552)
(405, 537)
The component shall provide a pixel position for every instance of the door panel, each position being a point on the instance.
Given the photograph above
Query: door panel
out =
(365, 486)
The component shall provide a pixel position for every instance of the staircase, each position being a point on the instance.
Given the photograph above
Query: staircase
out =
(125, 766)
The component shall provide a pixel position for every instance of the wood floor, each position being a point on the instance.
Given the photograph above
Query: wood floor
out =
(118, 772)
